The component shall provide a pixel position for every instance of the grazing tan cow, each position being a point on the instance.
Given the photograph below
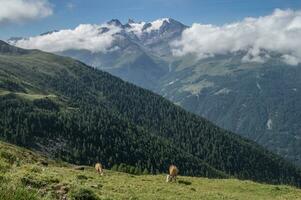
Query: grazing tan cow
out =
(99, 168)
(173, 172)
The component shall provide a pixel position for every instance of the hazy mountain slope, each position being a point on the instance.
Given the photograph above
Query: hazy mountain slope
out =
(130, 63)
(259, 101)
(26, 176)
(75, 112)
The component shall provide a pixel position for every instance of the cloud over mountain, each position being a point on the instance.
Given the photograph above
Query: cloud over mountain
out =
(23, 10)
(279, 32)
(95, 38)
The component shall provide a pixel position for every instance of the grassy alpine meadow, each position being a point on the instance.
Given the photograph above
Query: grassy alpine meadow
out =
(25, 175)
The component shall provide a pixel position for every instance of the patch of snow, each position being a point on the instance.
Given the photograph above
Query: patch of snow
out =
(258, 86)
(269, 124)
(169, 67)
(223, 91)
(171, 82)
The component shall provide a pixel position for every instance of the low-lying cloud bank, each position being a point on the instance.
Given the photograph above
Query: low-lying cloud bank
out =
(95, 38)
(279, 32)
(23, 10)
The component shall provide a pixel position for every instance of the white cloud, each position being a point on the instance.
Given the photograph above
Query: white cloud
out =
(95, 38)
(279, 32)
(70, 6)
(23, 10)
(291, 60)
(85, 36)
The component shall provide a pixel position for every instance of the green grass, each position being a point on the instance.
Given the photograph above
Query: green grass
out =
(4, 92)
(34, 96)
(28, 96)
(24, 176)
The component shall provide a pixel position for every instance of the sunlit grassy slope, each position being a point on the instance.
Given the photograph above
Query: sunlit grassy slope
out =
(25, 175)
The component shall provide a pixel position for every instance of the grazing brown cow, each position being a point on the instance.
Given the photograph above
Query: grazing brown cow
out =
(173, 172)
(99, 168)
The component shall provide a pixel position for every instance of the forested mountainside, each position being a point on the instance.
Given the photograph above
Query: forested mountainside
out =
(77, 113)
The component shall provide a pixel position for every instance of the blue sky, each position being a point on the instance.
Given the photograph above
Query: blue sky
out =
(70, 13)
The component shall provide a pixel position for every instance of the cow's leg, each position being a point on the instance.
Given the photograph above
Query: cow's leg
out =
(168, 178)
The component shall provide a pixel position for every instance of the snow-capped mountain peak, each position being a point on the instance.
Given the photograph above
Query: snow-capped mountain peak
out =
(115, 22)
(139, 28)
(135, 27)
(157, 24)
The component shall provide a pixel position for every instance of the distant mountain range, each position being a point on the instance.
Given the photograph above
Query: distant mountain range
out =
(259, 100)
